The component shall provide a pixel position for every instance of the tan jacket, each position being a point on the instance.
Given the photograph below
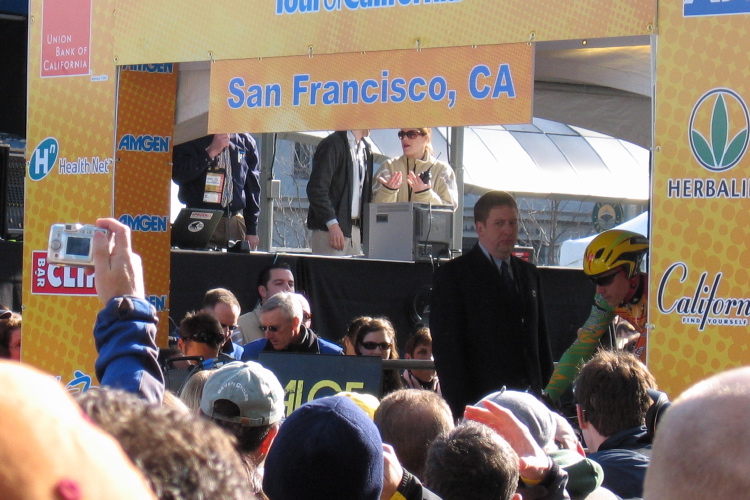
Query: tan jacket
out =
(443, 190)
(249, 327)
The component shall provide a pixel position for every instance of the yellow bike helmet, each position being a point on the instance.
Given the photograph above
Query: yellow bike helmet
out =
(612, 249)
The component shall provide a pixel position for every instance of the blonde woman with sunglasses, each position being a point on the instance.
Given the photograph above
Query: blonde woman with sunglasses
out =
(416, 175)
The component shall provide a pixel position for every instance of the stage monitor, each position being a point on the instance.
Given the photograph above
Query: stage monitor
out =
(407, 231)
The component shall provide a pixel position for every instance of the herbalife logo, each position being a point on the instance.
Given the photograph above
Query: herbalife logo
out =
(719, 129)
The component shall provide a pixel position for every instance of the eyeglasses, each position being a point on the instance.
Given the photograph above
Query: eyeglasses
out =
(371, 346)
(605, 280)
(411, 134)
(269, 328)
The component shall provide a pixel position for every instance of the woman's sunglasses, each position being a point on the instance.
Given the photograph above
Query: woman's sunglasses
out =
(411, 134)
(371, 346)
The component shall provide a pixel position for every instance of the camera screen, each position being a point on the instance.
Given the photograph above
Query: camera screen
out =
(78, 247)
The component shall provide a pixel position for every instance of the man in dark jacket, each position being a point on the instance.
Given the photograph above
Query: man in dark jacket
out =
(222, 172)
(338, 189)
(281, 320)
(487, 315)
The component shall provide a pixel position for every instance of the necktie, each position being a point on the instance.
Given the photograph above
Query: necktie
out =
(510, 285)
(226, 164)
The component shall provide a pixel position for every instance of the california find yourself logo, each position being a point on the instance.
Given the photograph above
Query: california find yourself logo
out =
(719, 129)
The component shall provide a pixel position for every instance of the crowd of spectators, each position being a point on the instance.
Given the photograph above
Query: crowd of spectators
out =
(232, 433)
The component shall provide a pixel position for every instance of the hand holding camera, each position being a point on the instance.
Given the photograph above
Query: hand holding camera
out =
(119, 271)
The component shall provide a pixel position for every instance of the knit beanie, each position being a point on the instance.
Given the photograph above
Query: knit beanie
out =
(327, 449)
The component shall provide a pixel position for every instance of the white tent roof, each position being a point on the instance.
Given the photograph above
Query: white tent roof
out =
(571, 251)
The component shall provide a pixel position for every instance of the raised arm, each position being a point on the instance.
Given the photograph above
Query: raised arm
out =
(125, 329)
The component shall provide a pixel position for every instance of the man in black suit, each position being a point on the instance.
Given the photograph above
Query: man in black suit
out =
(338, 189)
(487, 314)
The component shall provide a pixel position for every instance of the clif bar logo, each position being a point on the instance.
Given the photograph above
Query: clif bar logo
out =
(719, 129)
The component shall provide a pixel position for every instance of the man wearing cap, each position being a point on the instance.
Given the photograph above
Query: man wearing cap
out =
(281, 320)
(247, 401)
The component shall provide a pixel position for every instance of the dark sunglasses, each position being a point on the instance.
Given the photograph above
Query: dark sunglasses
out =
(371, 346)
(604, 280)
(411, 134)
(269, 328)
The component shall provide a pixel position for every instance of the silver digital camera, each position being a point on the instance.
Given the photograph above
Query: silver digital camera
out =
(71, 244)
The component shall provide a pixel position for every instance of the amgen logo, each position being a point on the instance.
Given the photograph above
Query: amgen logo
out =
(719, 129)
(43, 159)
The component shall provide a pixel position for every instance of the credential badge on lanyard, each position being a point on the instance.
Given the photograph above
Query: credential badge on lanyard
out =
(214, 187)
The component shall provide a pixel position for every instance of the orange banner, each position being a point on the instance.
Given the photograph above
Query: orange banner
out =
(405, 88)
(700, 245)
(145, 117)
(156, 31)
(70, 149)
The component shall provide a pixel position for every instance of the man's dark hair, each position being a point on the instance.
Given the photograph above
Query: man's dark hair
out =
(181, 455)
(410, 420)
(265, 274)
(490, 200)
(248, 438)
(421, 337)
(202, 327)
(612, 389)
(7, 326)
(472, 461)
(219, 296)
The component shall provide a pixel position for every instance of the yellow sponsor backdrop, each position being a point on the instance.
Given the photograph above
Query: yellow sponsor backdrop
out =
(145, 122)
(446, 87)
(151, 31)
(700, 245)
(78, 112)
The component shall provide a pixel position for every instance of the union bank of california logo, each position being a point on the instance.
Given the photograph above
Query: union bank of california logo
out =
(717, 139)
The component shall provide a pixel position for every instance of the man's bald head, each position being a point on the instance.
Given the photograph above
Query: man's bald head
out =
(701, 451)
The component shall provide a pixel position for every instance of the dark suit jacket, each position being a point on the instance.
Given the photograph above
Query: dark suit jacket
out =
(329, 189)
(482, 338)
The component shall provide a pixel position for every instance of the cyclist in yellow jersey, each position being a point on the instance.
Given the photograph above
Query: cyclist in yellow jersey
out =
(611, 260)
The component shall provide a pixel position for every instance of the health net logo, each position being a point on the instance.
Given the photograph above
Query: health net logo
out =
(719, 129)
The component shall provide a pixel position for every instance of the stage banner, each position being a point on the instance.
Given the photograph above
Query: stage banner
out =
(145, 119)
(404, 88)
(70, 159)
(699, 301)
(156, 31)
(306, 377)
